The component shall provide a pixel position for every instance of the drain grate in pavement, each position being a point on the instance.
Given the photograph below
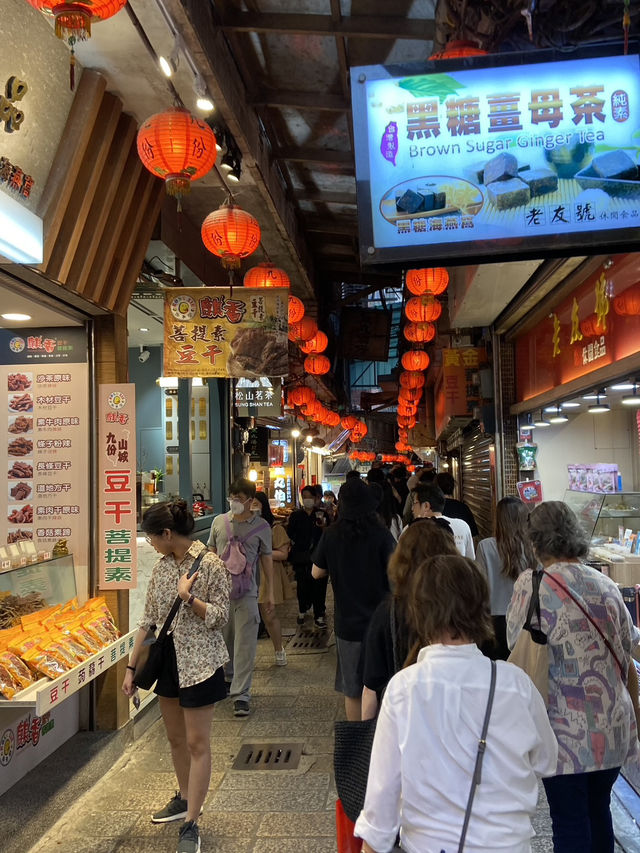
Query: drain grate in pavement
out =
(308, 641)
(268, 756)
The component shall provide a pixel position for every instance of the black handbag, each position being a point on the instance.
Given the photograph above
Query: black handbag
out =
(352, 750)
(154, 649)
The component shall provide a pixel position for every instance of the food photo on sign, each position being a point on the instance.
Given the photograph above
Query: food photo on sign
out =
(226, 332)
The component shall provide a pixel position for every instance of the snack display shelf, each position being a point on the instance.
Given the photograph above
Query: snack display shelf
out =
(46, 694)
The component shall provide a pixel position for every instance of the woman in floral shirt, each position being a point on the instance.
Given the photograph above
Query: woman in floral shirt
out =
(192, 679)
(590, 708)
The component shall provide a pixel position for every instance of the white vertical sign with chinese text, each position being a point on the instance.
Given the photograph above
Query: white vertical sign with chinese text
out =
(117, 555)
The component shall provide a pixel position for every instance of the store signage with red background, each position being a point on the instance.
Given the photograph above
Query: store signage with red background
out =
(597, 325)
(456, 394)
(117, 555)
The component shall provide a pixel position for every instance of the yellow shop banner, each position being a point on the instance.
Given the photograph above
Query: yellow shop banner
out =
(226, 332)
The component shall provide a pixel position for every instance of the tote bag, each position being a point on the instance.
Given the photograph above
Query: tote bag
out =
(531, 652)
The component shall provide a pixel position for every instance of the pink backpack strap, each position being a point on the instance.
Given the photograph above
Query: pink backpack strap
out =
(262, 526)
(228, 526)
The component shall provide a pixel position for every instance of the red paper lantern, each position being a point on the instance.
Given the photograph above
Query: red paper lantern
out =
(406, 411)
(301, 395)
(415, 359)
(410, 379)
(407, 422)
(457, 49)
(231, 233)
(317, 344)
(317, 364)
(419, 333)
(410, 395)
(303, 330)
(627, 304)
(349, 421)
(177, 147)
(590, 327)
(333, 419)
(360, 429)
(402, 447)
(434, 281)
(423, 309)
(296, 309)
(266, 275)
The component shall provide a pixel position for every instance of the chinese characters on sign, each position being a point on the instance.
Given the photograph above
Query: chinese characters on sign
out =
(457, 391)
(256, 397)
(466, 158)
(117, 553)
(224, 332)
(15, 179)
(11, 116)
(45, 376)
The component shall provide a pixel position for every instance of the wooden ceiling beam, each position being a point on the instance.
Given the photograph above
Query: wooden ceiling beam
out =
(317, 101)
(355, 26)
(318, 156)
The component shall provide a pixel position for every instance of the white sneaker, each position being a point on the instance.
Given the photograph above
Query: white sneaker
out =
(281, 658)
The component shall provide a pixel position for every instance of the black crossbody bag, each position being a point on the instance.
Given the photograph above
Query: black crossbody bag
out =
(154, 649)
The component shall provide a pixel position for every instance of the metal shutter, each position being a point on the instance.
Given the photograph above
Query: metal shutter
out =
(477, 479)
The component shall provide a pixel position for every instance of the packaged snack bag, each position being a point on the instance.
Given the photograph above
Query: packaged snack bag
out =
(38, 617)
(18, 669)
(43, 662)
(62, 650)
(79, 633)
(8, 687)
(26, 641)
(94, 625)
(99, 603)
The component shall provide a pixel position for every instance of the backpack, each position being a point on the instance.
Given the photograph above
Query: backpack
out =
(235, 559)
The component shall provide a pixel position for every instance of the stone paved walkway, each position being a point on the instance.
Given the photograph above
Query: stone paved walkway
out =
(245, 812)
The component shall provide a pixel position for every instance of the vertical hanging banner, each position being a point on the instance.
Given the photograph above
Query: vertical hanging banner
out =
(117, 555)
(226, 332)
(45, 376)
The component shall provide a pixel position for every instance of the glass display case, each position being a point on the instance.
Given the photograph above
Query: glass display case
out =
(604, 515)
(53, 579)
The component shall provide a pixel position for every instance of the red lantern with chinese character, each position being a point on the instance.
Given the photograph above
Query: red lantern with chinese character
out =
(411, 379)
(317, 344)
(419, 333)
(627, 304)
(434, 281)
(590, 327)
(266, 275)
(410, 395)
(296, 309)
(423, 309)
(177, 147)
(457, 49)
(415, 359)
(317, 365)
(303, 330)
(360, 429)
(231, 233)
(349, 422)
(301, 395)
(73, 20)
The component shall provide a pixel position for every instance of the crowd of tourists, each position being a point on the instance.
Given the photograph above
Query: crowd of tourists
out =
(426, 615)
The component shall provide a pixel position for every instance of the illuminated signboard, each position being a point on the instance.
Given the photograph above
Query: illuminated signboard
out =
(516, 159)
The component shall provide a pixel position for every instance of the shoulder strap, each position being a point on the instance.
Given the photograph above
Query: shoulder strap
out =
(482, 745)
(176, 604)
(593, 622)
(258, 526)
(228, 526)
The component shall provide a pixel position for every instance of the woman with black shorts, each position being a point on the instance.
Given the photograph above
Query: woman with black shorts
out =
(192, 679)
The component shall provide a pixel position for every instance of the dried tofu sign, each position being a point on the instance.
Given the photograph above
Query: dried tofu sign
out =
(226, 332)
(497, 158)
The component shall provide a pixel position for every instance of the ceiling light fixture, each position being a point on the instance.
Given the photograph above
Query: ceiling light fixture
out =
(143, 329)
(541, 422)
(631, 399)
(167, 381)
(228, 161)
(596, 395)
(622, 386)
(203, 102)
(16, 318)
(236, 173)
(571, 404)
(295, 433)
(170, 66)
(598, 408)
(559, 417)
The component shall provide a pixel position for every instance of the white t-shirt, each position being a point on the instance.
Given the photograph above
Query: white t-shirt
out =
(425, 749)
(462, 535)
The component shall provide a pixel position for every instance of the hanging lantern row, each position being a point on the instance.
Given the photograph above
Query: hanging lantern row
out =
(310, 407)
(362, 456)
(415, 360)
(434, 281)
(303, 330)
(266, 275)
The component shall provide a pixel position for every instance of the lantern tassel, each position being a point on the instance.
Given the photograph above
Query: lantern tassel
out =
(72, 71)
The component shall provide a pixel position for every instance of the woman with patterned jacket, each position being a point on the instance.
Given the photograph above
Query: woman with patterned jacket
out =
(192, 678)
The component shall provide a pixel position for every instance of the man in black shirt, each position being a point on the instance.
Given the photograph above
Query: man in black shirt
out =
(454, 508)
(305, 529)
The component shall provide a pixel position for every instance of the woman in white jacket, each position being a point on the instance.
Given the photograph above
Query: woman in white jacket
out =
(430, 723)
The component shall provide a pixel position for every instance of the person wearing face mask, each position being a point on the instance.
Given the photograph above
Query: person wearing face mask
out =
(304, 530)
(241, 631)
(282, 588)
(329, 504)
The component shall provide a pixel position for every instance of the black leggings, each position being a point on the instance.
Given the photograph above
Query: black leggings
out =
(311, 592)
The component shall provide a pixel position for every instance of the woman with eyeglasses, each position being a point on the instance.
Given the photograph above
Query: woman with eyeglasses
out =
(192, 678)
